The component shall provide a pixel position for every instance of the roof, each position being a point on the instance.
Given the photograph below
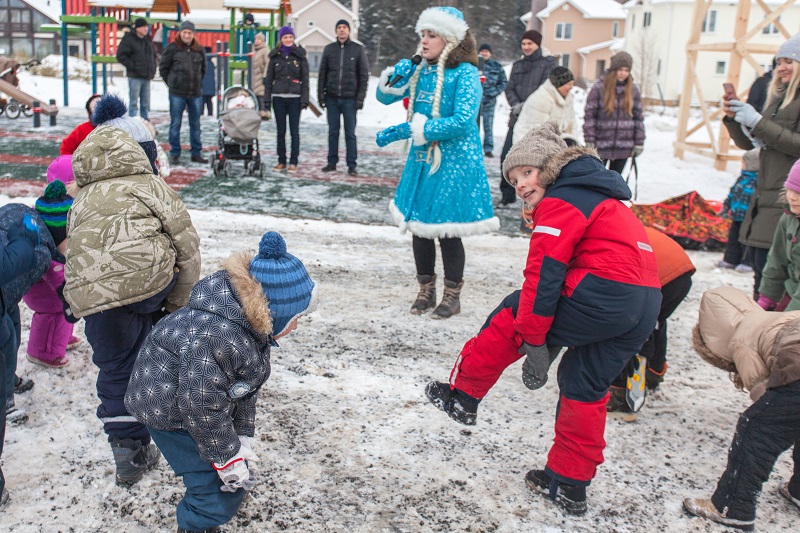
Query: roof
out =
(349, 13)
(251, 5)
(599, 46)
(591, 9)
(330, 38)
(144, 5)
(51, 9)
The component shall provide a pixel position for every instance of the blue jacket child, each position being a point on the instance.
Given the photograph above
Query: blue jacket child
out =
(735, 207)
(196, 379)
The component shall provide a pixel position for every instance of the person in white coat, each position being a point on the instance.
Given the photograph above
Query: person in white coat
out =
(552, 101)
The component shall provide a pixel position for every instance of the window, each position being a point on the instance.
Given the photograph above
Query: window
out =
(770, 29)
(565, 60)
(564, 31)
(601, 68)
(614, 29)
(720, 70)
(646, 19)
(710, 22)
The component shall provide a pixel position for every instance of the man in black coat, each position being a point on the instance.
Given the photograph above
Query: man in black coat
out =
(527, 74)
(182, 67)
(343, 79)
(136, 54)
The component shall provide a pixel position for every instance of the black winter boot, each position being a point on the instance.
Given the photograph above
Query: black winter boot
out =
(459, 405)
(426, 298)
(451, 302)
(132, 460)
(653, 379)
(571, 498)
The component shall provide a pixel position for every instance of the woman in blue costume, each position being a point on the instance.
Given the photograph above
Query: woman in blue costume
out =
(443, 192)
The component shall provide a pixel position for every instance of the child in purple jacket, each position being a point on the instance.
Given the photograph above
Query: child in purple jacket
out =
(51, 335)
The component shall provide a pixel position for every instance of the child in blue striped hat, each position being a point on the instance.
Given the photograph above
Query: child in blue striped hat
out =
(51, 334)
(197, 376)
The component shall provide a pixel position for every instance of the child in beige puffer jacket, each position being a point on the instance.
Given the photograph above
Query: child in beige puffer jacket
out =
(762, 350)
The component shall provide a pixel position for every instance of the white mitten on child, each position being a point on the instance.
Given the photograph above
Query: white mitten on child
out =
(235, 473)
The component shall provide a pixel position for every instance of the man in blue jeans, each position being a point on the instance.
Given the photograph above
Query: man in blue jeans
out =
(182, 67)
(342, 87)
(136, 54)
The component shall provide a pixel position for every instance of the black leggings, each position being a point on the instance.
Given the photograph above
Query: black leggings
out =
(617, 165)
(452, 257)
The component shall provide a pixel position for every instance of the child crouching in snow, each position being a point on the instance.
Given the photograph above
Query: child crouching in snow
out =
(763, 351)
(196, 380)
(590, 283)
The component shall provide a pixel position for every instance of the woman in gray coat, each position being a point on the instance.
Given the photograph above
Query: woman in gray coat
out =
(777, 132)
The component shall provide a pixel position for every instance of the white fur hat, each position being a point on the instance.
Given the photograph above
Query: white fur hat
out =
(446, 22)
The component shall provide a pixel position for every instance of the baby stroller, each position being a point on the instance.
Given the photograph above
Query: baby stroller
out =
(239, 123)
(8, 73)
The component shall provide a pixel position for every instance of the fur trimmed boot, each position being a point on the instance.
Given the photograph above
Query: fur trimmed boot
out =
(450, 304)
(426, 298)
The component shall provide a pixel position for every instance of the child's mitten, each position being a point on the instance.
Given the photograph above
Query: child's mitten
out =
(537, 363)
(766, 303)
(234, 473)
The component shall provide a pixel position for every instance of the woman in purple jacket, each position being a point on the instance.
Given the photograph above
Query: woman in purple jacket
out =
(613, 119)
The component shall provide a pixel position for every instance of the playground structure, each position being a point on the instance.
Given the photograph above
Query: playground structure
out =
(19, 101)
(103, 19)
(741, 49)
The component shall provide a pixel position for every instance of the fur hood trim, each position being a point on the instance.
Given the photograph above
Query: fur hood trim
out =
(465, 52)
(707, 355)
(248, 289)
(195, 45)
(446, 22)
(551, 170)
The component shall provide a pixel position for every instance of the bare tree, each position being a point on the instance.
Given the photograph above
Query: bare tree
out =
(645, 62)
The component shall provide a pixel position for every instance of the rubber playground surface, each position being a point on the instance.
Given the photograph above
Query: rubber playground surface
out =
(25, 153)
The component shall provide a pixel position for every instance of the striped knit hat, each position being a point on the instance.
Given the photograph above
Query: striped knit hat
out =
(53, 207)
(286, 284)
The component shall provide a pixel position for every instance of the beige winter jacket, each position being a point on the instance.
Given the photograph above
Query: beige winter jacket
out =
(733, 333)
(546, 104)
(260, 62)
(128, 231)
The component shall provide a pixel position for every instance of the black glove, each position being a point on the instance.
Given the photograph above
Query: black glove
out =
(537, 363)
(303, 106)
(359, 105)
(25, 228)
(632, 366)
(68, 316)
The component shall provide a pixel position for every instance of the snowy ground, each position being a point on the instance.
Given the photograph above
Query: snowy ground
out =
(346, 438)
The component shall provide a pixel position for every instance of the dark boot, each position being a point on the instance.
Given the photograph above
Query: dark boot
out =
(459, 405)
(426, 298)
(653, 379)
(208, 530)
(450, 304)
(132, 460)
(571, 498)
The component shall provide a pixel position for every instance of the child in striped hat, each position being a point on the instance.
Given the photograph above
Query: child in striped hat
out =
(51, 335)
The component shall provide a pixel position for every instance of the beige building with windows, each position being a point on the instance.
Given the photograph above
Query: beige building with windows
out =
(582, 34)
(314, 23)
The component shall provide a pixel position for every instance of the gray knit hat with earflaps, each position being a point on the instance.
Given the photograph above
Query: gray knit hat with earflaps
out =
(535, 148)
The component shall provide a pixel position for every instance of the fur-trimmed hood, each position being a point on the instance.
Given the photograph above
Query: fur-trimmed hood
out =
(195, 45)
(581, 167)
(465, 52)
(249, 292)
(734, 334)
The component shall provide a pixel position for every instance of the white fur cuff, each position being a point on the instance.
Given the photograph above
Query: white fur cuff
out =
(386, 75)
(418, 122)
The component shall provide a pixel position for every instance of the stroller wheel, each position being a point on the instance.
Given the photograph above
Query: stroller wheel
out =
(227, 168)
(12, 109)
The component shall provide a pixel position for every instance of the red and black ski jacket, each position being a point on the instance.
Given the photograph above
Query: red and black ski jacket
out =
(583, 237)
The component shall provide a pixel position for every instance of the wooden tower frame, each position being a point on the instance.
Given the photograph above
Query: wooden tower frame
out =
(740, 49)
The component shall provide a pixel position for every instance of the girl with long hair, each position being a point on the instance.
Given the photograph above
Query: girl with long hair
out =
(443, 192)
(777, 132)
(613, 118)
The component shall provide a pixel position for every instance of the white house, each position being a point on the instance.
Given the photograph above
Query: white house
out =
(314, 23)
(659, 30)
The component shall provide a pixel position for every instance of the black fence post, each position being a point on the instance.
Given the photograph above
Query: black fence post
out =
(37, 114)
(53, 116)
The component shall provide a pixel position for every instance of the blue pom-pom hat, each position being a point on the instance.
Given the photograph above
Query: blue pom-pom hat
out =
(289, 289)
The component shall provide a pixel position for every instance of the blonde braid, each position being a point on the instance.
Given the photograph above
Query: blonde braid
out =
(434, 152)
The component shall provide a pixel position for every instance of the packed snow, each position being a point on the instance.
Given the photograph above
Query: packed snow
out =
(346, 438)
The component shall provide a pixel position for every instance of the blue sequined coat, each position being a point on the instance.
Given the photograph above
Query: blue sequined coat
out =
(455, 201)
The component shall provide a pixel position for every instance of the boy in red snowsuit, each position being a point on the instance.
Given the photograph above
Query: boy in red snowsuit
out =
(591, 284)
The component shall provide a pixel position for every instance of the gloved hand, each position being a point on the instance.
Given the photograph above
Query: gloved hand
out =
(591, 145)
(303, 107)
(745, 114)
(68, 316)
(235, 473)
(766, 303)
(632, 366)
(393, 133)
(537, 363)
(637, 150)
(405, 69)
(516, 109)
(25, 228)
(359, 105)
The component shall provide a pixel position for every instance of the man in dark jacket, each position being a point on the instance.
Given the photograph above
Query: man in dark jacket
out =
(527, 74)
(182, 67)
(136, 54)
(494, 85)
(343, 78)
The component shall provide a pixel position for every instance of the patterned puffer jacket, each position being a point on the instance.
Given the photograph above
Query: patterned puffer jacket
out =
(129, 232)
(616, 134)
(201, 367)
